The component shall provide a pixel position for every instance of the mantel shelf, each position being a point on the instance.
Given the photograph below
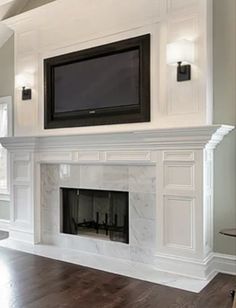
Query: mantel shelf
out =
(172, 138)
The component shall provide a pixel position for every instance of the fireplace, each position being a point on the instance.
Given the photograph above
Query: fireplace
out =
(96, 213)
(165, 176)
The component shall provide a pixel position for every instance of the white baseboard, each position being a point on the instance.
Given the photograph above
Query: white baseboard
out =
(207, 269)
(224, 263)
(194, 268)
(4, 225)
(21, 236)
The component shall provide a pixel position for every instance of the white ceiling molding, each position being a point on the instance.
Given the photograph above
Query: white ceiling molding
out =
(5, 34)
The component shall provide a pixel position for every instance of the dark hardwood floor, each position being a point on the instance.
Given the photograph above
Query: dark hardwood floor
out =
(29, 281)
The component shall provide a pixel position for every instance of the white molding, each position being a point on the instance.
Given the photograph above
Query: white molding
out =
(178, 146)
(4, 225)
(5, 34)
(215, 263)
(172, 138)
(224, 263)
(37, 38)
(8, 100)
(4, 196)
(21, 235)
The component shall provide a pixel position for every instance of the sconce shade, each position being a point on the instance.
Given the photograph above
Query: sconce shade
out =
(24, 80)
(180, 51)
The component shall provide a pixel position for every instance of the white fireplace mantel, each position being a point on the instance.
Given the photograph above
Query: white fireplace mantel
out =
(171, 138)
(182, 161)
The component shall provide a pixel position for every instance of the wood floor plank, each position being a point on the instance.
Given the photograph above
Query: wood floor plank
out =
(29, 281)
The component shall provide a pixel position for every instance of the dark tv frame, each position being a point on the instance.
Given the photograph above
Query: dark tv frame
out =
(101, 116)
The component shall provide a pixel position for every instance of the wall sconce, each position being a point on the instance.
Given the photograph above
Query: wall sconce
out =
(26, 94)
(181, 53)
(24, 82)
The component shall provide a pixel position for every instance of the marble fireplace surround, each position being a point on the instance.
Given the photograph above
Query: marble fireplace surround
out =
(139, 181)
(168, 173)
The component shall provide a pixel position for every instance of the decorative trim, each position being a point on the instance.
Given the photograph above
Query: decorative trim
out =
(179, 156)
(4, 225)
(207, 269)
(5, 34)
(180, 146)
(128, 155)
(223, 263)
(86, 156)
(4, 196)
(22, 236)
(172, 138)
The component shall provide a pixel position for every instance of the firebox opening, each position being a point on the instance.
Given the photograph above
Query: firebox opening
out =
(96, 213)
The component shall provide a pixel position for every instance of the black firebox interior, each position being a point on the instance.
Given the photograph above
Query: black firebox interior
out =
(96, 213)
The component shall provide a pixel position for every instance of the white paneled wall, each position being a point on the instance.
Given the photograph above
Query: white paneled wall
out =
(38, 35)
(180, 203)
(22, 193)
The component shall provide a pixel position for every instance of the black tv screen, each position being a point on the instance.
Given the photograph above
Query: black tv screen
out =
(103, 82)
(108, 84)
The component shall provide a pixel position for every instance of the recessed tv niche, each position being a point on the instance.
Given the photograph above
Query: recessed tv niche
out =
(108, 84)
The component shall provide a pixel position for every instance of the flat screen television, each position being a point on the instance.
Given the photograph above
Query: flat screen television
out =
(108, 84)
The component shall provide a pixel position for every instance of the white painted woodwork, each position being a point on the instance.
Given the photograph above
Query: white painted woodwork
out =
(182, 158)
(178, 142)
(39, 35)
(5, 34)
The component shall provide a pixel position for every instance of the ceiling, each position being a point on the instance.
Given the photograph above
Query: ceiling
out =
(9, 8)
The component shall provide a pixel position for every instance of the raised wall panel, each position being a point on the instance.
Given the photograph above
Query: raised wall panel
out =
(22, 205)
(178, 222)
(55, 156)
(128, 156)
(178, 176)
(180, 202)
(21, 156)
(26, 112)
(178, 156)
(173, 104)
(21, 171)
(183, 97)
(176, 5)
(86, 156)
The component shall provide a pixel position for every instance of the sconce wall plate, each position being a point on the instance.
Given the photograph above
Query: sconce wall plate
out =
(26, 94)
(183, 72)
(181, 53)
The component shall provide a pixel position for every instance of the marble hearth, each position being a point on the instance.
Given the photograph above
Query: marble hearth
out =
(168, 174)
